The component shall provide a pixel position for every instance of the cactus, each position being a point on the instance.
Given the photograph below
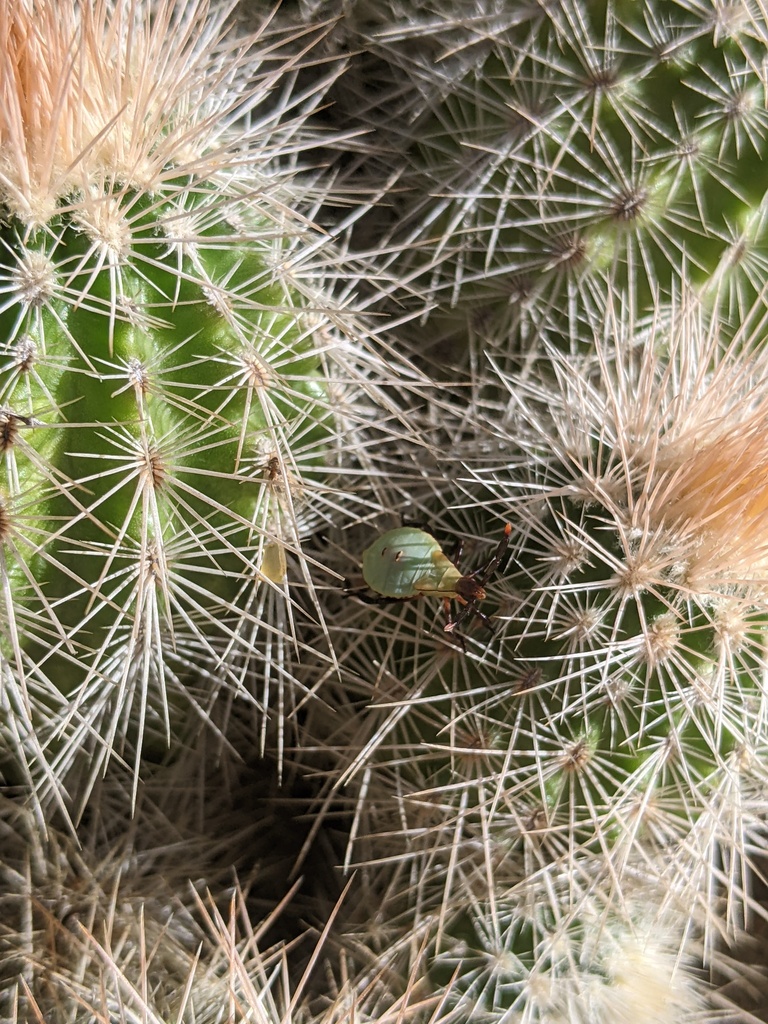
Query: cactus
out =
(612, 729)
(165, 914)
(77, 912)
(559, 184)
(547, 154)
(555, 819)
(176, 377)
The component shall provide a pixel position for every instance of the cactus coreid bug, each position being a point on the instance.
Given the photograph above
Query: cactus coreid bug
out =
(407, 563)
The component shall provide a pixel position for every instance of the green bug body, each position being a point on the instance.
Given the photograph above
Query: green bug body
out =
(407, 562)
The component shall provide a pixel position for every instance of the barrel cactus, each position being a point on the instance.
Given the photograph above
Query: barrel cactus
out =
(605, 747)
(547, 153)
(581, 199)
(176, 376)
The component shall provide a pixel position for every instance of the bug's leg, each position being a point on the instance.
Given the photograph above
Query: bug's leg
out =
(457, 552)
(459, 641)
(481, 576)
(468, 606)
(488, 623)
(470, 609)
(450, 625)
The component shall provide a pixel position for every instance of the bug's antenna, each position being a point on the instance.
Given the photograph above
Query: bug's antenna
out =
(495, 561)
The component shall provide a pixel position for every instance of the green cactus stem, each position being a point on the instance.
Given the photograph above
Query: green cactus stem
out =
(552, 153)
(176, 378)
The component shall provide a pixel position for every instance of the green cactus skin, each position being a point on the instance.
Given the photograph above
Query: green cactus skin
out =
(185, 405)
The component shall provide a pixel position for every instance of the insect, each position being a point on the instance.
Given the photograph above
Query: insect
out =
(407, 563)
